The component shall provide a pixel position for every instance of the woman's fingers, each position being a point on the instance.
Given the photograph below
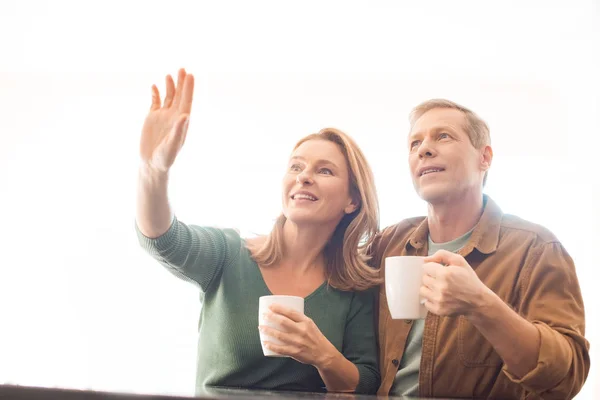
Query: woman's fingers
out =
(285, 322)
(287, 338)
(187, 95)
(287, 312)
(180, 82)
(280, 349)
(155, 98)
(170, 91)
(180, 96)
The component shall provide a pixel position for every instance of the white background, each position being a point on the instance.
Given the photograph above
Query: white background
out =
(82, 306)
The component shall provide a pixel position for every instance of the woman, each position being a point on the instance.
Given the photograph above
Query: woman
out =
(316, 251)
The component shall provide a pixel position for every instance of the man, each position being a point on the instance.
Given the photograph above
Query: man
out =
(506, 316)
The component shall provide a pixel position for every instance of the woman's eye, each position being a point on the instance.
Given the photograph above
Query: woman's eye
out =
(444, 135)
(295, 168)
(326, 171)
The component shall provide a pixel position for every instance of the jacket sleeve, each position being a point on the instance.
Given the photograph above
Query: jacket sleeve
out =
(550, 298)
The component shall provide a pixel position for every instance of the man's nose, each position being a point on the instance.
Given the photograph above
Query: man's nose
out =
(426, 149)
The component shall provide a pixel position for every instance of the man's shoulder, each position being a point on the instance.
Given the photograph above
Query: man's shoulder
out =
(522, 227)
(406, 226)
(398, 233)
(395, 236)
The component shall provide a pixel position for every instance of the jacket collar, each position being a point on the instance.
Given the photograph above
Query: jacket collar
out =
(485, 236)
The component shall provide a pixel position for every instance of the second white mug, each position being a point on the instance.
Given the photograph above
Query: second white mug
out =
(403, 280)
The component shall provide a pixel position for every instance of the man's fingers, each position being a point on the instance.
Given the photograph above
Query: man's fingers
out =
(426, 293)
(431, 269)
(445, 257)
(428, 281)
(440, 257)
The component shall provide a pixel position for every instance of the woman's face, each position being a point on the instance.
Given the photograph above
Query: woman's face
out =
(316, 185)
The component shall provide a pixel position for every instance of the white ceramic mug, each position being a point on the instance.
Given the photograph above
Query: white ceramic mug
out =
(403, 280)
(294, 302)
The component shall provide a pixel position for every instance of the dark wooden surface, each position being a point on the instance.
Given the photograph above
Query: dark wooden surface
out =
(37, 393)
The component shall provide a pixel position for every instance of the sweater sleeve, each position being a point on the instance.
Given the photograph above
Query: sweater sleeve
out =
(193, 253)
(360, 346)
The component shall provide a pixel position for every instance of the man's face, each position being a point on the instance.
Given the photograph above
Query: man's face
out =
(443, 163)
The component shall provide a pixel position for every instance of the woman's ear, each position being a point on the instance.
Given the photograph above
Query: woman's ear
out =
(353, 205)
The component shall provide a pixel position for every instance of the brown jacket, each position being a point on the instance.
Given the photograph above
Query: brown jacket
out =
(527, 267)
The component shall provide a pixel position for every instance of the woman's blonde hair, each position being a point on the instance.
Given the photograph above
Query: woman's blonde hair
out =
(345, 255)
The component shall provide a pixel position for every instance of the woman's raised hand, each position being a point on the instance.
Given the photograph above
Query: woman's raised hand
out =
(165, 127)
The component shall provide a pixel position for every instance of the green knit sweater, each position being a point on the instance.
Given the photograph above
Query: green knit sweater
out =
(229, 350)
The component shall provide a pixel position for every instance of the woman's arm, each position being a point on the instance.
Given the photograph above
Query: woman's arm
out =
(153, 212)
(190, 252)
(163, 135)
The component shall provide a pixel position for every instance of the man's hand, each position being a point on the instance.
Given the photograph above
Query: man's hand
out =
(451, 287)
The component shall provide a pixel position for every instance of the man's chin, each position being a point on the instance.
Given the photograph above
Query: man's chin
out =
(432, 194)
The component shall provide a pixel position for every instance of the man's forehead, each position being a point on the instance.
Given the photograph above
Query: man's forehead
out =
(438, 118)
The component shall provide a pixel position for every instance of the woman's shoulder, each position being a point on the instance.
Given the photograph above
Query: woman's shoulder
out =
(254, 244)
(255, 241)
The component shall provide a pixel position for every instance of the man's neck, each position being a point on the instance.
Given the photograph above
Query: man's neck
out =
(452, 218)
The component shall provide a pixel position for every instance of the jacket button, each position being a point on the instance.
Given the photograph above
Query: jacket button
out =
(395, 362)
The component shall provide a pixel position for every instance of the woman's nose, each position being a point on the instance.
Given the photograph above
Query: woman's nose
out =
(304, 178)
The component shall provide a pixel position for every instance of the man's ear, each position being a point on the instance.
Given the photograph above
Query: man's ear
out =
(487, 154)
